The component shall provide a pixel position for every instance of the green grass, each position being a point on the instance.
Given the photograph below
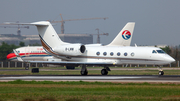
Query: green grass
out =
(87, 91)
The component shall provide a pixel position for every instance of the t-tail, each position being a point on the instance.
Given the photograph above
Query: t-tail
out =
(48, 36)
(125, 36)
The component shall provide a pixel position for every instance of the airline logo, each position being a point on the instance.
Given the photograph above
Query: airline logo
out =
(126, 34)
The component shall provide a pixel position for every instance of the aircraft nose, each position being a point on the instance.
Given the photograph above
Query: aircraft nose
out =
(170, 59)
(9, 56)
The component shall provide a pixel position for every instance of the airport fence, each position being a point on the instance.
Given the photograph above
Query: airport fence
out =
(12, 64)
(9, 64)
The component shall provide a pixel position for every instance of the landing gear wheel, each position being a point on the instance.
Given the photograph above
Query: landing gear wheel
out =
(26, 68)
(104, 72)
(161, 73)
(84, 72)
(70, 67)
(35, 70)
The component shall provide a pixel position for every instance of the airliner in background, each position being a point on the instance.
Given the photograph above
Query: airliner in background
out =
(108, 55)
(31, 53)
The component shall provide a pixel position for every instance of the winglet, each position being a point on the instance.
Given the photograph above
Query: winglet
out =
(18, 56)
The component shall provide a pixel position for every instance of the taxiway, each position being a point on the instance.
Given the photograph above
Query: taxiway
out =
(94, 78)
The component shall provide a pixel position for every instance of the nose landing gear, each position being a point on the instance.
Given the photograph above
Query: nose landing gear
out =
(160, 71)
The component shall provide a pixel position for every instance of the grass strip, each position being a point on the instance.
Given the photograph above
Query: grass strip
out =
(86, 91)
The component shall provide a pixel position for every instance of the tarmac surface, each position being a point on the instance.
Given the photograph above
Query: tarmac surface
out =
(94, 78)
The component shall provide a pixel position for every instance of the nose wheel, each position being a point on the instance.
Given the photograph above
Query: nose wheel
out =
(161, 73)
(160, 70)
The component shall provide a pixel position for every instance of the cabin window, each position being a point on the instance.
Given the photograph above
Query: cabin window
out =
(132, 54)
(160, 51)
(125, 54)
(154, 51)
(98, 53)
(104, 53)
(111, 53)
(118, 54)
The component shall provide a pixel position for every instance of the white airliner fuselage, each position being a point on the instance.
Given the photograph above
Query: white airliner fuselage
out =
(31, 53)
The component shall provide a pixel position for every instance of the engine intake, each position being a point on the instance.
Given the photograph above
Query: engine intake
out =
(82, 49)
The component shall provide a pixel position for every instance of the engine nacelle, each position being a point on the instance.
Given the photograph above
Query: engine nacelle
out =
(70, 49)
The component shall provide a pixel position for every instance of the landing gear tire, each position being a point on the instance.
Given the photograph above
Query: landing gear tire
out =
(104, 72)
(35, 70)
(161, 73)
(70, 67)
(84, 72)
(26, 68)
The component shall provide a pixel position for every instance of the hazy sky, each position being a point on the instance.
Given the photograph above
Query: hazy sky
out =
(157, 21)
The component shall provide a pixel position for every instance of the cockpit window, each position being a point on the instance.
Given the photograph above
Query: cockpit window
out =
(154, 51)
(160, 51)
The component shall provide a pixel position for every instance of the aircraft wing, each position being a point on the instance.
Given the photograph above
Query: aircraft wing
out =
(62, 62)
(70, 63)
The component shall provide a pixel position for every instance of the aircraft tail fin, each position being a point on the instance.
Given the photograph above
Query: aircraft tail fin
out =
(48, 36)
(125, 36)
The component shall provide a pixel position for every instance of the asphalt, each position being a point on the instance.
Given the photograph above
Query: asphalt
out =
(93, 78)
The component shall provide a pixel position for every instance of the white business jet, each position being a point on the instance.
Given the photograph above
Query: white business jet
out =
(108, 55)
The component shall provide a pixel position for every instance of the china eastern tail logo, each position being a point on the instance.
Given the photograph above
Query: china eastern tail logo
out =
(126, 34)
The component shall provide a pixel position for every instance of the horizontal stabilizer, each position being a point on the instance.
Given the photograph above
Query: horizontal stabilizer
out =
(34, 23)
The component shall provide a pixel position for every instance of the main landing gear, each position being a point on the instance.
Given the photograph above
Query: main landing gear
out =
(160, 71)
(103, 71)
(26, 66)
(84, 70)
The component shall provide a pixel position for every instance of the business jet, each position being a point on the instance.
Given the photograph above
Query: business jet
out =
(108, 55)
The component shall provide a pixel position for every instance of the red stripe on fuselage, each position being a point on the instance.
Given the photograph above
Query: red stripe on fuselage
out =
(12, 55)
